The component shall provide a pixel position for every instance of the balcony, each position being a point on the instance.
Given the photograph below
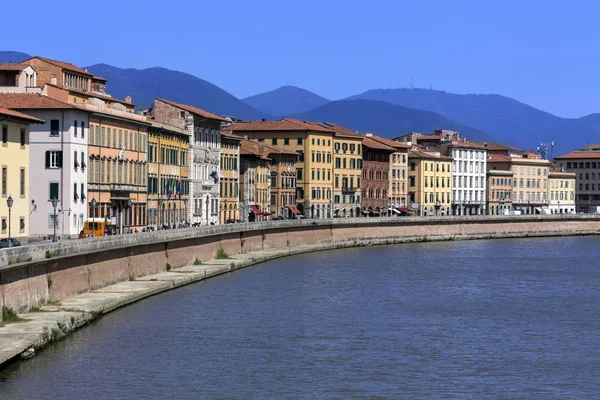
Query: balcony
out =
(117, 187)
(348, 189)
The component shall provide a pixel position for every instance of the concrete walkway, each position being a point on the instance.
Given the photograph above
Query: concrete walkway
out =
(22, 339)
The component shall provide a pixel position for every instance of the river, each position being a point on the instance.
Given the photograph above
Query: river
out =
(515, 318)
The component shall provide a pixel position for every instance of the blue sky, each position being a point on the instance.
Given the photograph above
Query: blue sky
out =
(543, 53)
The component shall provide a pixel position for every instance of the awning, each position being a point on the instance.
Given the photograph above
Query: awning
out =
(294, 210)
(255, 210)
(538, 209)
(374, 212)
(395, 211)
(404, 209)
(265, 213)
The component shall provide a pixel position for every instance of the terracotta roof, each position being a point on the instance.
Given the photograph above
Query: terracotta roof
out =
(579, 155)
(194, 110)
(13, 67)
(374, 144)
(91, 94)
(250, 147)
(31, 101)
(98, 78)
(270, 149)
(498, 158)
(227, 133)
(390, 143)
(338, 129)
(286, 124)
(430, 137)
(16, 114)
(429, 156)
(462, 143)
(61, 64)
(497, 146)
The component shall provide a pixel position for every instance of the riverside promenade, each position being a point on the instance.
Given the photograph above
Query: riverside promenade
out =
(60, 287)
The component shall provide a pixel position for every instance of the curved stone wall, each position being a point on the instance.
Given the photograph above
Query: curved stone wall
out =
(32, 275)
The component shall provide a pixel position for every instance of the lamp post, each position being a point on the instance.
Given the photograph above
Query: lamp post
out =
(93, 203)
(54, 204)
(9, 203)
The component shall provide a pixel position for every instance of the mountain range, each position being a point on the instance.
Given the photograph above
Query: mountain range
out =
(286, 101)
(387, 112)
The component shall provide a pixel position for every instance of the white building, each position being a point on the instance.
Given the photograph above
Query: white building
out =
(469, 167)
(58, 163)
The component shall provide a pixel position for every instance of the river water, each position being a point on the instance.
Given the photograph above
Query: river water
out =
(467, 320)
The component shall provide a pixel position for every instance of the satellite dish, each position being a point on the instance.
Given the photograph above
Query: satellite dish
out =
(415, 206)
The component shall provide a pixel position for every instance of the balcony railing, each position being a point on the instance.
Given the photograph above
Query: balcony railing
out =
(348, 189)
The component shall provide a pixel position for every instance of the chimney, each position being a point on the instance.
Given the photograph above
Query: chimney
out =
(264, 120)
(128, 99)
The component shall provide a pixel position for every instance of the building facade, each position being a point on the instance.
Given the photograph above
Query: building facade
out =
(561, 191)
(376, 178)
(585, 163)
(230, 177)
(204, 156)
(168, 175)
(58, 164)
(14, 161)
(314, 144)
(469, 168)
(398, 174)
(347, 171)
(255, 181)
(499, 192)
(430, 186)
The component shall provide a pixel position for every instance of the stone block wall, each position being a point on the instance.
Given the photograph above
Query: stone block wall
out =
(28, 278)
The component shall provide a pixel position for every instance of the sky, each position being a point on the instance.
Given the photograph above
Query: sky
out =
(541, 52)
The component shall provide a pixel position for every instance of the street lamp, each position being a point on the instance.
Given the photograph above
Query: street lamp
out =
(9, 203)
(93, 202)
(54, 204)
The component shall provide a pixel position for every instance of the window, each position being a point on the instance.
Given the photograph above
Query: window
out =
(22, 183)
(82, 130)
(82, 192)
(21, 224)
(82, 160)
(54, 127)
(286, 141)
(75, 126)
(274, 141)
(299, 174)
(4, 178)
(23, 137)
(53, 193)
(4, 134)
(75, 197)
(54, 159)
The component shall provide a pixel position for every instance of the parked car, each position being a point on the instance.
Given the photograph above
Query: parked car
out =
(4, 243)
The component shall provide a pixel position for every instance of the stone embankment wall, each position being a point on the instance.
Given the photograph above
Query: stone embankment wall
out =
(33, 275)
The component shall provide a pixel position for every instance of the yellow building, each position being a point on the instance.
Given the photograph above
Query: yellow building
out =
(14, 158)
(230, 177)
(347, 170)
(314, 144)
(561, 191)
(429, 182)
(168, 175)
